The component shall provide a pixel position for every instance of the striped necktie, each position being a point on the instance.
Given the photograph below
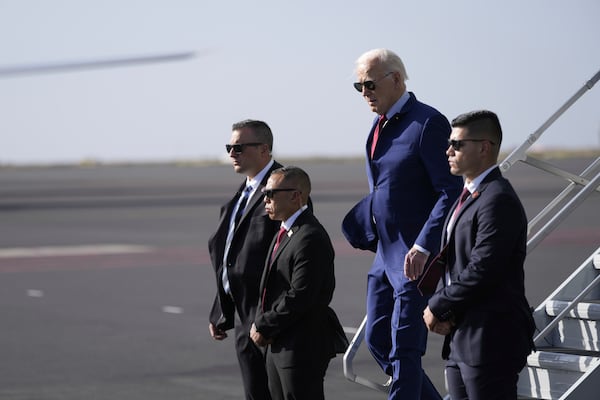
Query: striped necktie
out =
(243, 201)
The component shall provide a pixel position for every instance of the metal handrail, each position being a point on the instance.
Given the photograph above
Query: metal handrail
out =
(561, 315)
(349, 357)
(519, 153)
(558, 199)
(563, 213)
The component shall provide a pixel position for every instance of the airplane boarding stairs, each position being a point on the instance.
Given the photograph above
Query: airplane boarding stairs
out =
(566, 365)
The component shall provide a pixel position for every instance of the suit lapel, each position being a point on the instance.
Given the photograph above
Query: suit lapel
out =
(284, 242)
(226, 216)
(272, 258)
(445, 236)
(494, 174)
(392, 120)
(271, 261)
(287, 239)
(250, 205)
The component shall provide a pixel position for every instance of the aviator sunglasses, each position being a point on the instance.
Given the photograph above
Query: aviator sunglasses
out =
(457, 144)
(370, 85)
(239, 147)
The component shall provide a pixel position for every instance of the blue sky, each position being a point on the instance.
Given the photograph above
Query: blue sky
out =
(288, 63)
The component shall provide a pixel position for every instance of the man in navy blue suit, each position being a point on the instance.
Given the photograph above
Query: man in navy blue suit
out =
(481, 306)
(401, 219)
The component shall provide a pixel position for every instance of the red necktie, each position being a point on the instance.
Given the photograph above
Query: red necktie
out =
(282, 231)
(380, 123)
(463, 196)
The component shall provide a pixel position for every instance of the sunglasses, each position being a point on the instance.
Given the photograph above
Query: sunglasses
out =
(269, 193)
(239, 148)
(458, 144)
(370, 85)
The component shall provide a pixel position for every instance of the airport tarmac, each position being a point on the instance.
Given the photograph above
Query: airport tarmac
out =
(106, 284)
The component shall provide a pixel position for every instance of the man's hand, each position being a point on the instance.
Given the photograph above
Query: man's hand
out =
(435, 325)
(258, 338)
(216, 333)
(414, 263)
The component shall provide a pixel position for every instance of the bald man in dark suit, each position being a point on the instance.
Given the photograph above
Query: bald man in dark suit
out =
(294, 318)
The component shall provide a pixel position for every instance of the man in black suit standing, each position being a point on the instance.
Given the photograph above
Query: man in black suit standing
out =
(481, 306)
(294, 318)
(238, 249)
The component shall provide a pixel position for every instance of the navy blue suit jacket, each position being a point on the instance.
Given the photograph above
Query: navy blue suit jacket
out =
(486, 298)
(411, 188)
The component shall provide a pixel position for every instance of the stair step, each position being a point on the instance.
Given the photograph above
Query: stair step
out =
(539, 383)
(587, 310)
(549, 374)
(580, 329)
(570, 367)
(566, 361)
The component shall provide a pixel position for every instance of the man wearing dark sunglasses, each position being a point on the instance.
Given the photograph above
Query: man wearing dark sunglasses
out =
(238, 249)
(481, 307)
(401, 219)
(294, 318)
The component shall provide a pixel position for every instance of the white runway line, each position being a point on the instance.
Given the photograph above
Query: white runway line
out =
(35, 293)
(172, 310)
(54, 251)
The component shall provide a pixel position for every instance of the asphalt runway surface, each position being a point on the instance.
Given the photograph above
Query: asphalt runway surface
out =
(105, 280)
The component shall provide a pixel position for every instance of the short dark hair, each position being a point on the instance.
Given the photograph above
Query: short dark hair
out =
(297, 177)
(261, 130)
(481, 124)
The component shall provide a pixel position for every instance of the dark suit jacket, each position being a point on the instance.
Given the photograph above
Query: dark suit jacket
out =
(246, 257)
(486, 298)
(411, 188)
(299, 286)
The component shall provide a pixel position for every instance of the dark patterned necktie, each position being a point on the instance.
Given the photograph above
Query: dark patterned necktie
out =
(243, 201)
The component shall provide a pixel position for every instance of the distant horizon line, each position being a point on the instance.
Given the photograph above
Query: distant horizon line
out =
(96, 162)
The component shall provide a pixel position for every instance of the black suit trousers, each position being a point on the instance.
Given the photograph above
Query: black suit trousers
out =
(494, 381)
(296, 383)
(252, 364)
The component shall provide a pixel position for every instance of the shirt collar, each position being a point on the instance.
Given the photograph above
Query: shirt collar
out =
(474, 184)
(254, 182)
(288, 223)
(397, 106)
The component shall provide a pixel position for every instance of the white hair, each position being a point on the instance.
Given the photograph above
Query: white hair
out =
(387, 58)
